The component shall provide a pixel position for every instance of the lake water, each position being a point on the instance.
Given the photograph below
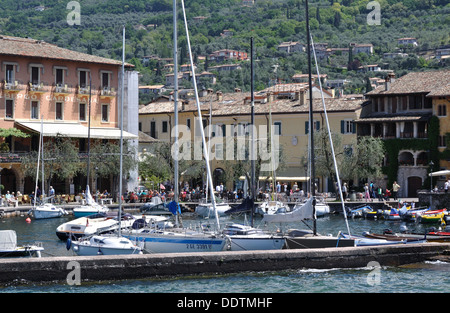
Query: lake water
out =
(427, 277)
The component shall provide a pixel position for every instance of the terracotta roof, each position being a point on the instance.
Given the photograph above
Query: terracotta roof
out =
(239, 103)
(40, 49)
(435, 83)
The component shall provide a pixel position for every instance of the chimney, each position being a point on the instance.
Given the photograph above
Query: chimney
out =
(219, 96)
(390, 78)
(302, 97)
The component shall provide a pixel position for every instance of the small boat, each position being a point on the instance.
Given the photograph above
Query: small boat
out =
(86, 226)
(432, 216)
(206, 209)
(47, 210)
(246, 206)
(155, 207)
(360, 212)
(91, 207)
(391, 215)
(272, 207)
(9, 248)
(104, 245)
(397, 237)
(374, 214)
(362, 241)
(413, 214)
(244, 238)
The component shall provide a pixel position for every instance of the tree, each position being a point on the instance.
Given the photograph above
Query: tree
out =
(362, 158)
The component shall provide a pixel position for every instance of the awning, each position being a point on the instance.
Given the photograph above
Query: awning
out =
(440, 173)
(281, 178)
(74, 130)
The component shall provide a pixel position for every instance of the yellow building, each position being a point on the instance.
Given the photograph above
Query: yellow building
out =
(286, 108)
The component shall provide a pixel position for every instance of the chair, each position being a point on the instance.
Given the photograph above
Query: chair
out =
(19, 199)
(26, 199)
(72, 198)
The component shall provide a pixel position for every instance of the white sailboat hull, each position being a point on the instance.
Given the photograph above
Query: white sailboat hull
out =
(105, 245)
(173, 242)
(48, 211)
(206, 210)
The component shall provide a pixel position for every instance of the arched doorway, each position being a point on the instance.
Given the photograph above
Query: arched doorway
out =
(8, 180)
(414, 183)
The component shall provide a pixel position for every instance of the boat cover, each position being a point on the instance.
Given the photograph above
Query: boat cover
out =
(8, 240)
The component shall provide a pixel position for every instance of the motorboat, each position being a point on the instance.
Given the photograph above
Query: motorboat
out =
(104, 245)
(432, 216)
(391, 215)
(86, 226)
(206, 209)
(47, 210)
(9, 247)
(306, 239)
(176, 240)
(244, 237)
(272, 207)
(360, 212)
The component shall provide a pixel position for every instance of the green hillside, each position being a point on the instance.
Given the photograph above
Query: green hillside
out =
(149, 32)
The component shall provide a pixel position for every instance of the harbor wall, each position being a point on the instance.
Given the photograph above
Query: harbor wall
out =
(99, 268)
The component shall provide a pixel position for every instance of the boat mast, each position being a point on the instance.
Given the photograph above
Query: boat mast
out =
(311, 121)
(205, 149)
(89, 135)
(252, 142)
(175, 99)
(121, 131)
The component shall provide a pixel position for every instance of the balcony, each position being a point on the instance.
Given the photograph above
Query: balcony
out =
(13, 86)
(36, 87)
(107, 92)
(84, 90)
(62, 89)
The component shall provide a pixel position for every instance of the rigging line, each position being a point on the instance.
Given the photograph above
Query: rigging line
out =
(329, 135)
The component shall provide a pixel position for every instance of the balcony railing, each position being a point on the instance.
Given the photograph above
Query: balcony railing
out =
(36, 87)
(62, 88)
(12, 86)
(107, 92)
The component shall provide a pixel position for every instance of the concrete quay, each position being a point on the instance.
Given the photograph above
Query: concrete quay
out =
(101, 268)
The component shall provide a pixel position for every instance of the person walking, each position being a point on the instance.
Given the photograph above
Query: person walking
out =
(395, 188)
(366, 192)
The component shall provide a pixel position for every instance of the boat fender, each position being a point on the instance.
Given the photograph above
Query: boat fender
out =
(28, 220)
(68, 243)
(388, 231)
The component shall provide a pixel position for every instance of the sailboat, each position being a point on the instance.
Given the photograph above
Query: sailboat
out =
(44, 209)
(111, 244)
(91, 207)
(179, 239)
(301, 239)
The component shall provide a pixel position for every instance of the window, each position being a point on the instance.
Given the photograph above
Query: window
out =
(105, 113)
(35, 110)
(316, 126)
(442, 110)
(10, 74)
(153, 129)
(35, 75)
(59, 111)
(59, 76)
(82, 78)
(442, 141)
(9, 108)
(82, 113)
(188, 123)
(277, 128)
(348, 127)
(105, 80)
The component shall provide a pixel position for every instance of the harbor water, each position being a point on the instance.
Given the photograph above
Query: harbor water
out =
(427, 277)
